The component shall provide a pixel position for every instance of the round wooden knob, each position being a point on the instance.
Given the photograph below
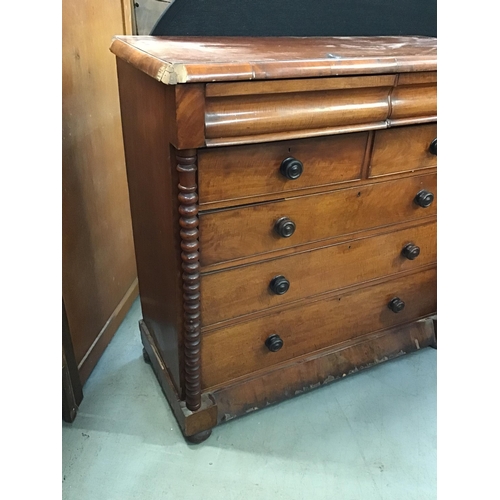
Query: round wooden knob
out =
(279, 285)
(285, 227)
(424, 198)
(433, 148)
(291, 168)
(274, 343)
(411, 251)
(396, 305)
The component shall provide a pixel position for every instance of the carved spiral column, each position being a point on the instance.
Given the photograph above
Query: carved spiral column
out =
(188, 210)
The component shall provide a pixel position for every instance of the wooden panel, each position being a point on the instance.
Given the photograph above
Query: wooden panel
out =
(244, 171)
(270, 113)
(243, 290)
(249, 394)
(190, 116)
(410, 101)
(303, 133)
(98, 263)
(417, 78)
(235, 233)
(302, 85)
(151, 170)
(403, 149)
(238, 350)
(209, 59)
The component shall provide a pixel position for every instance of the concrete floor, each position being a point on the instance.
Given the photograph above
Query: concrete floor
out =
(369, 436)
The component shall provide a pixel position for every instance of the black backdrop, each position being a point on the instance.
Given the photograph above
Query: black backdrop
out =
(298, 18)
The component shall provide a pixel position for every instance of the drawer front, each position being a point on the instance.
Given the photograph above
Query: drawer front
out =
(403, 149)
(243, 171)
(240, 349)
(231, 293)
(234, 233)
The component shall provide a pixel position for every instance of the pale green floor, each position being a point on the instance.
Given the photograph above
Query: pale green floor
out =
(369, 436)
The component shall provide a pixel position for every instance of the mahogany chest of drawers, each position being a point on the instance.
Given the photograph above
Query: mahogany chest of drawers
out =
(283, 199)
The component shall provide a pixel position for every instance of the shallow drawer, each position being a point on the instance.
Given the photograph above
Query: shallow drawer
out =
(236, 172)
(234, 233)
(235, 292)
(403, 149)
(240, 349)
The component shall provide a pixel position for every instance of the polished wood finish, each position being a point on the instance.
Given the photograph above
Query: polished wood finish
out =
(403, 149)
(285, 233)
(193, 59)
(189, 116)
(153, 179)
(99, 280)
(238, 350)
(271, 113)
(302, 375)
(304, 84)
(188, 210)
(413, 101)
(326, 161)
(243, 290)
(250, 230)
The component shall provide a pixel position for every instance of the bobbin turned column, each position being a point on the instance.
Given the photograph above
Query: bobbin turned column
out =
(188, 210)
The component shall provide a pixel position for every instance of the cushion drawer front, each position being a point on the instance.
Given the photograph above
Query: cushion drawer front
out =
(240, 349)
(403, 149)
(238, 172)
(247, 289)
(235, 233)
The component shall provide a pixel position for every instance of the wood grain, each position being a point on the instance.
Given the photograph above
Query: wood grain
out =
(410, 101)
(234, 233)
(207, 59)
(245, 289)
(152, 177)
(286, 381)
(98, 264)
(403, 149)
(239, 350)
(244, 171)
(302, 85)
(271, 113)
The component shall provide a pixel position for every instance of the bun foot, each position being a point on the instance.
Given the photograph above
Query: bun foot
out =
(146, 357)
(199, 437)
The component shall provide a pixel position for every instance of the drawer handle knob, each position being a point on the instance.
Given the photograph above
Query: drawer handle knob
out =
(411, 251)
(291, 168)
(284, 227)
(433, 148)
(396, 305)
(279, 285)
(424, 198)
(274, 343)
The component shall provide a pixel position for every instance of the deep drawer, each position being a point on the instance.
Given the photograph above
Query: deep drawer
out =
(403, 149)
(238, 172)
(240, 349)
(235, 233)
(235, 292)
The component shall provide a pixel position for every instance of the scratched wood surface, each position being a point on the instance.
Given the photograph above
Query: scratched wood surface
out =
(208, 59)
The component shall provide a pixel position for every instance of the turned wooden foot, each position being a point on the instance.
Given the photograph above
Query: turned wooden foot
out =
(146, 357)
(199, 437)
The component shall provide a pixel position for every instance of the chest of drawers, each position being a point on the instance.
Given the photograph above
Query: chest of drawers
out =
(283, 200)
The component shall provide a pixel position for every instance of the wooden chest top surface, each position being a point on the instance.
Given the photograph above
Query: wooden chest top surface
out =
(173, 60)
